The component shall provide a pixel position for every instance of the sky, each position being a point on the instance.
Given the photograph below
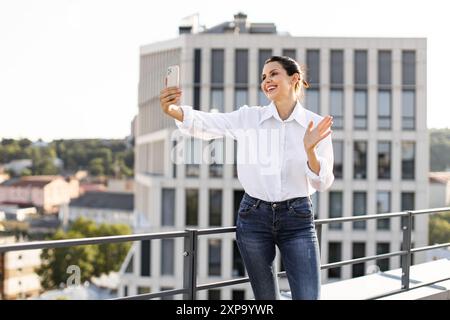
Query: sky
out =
(70, 68)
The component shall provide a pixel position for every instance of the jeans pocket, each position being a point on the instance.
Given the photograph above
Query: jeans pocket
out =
(301, 208)
(246, 208)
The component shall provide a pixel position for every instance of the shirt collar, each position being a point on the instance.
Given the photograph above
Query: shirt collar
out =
(299, 114)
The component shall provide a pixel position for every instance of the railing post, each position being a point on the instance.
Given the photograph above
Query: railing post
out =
(406, 261)
(190, 264)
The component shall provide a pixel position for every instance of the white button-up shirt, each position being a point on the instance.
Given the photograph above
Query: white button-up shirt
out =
(271, 158)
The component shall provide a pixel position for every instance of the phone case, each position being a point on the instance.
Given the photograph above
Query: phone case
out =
(173, 76)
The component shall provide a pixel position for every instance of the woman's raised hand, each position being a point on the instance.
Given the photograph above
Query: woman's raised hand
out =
(321, 131)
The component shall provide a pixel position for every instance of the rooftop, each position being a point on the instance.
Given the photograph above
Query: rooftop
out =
(105, 200)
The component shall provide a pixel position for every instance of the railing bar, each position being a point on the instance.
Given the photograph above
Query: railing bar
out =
(363, 217)
(225, 283)
(89, 241)
(436, 246)
(216, 230)
(434, 210)
(358, 260)
(147, 296)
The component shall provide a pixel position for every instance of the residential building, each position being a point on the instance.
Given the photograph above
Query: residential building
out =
(18, 279)
(46, 193)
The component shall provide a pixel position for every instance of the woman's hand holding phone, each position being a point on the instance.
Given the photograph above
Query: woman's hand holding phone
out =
(170, 96)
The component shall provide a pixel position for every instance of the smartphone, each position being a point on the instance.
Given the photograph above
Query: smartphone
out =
(173, 76)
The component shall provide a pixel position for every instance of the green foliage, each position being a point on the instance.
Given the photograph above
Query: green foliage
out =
(99, 157)
(439, 231)
(439, 149)
(93, 260)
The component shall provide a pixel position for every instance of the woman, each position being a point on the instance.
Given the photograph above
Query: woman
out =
(276, 209)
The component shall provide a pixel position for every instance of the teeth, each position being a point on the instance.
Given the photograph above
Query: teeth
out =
(271, 88)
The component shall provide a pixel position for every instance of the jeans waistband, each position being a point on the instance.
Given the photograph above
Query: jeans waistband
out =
(285, 203)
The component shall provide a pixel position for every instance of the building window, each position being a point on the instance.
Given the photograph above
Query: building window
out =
(217, 158)
(167, 256)
(408, 109)
(238, 295)
(263, 55)
(214, 294)
(338, 149)
(240, 98)
(240, 78)
(241, 67)
(360, 159)
(238, 264)
(168, 207)
(384, 68)
(360, 115)
(384, 109)
(359, 208)
(384, 160)
(313, 65)
(197, 77)
(334, 255)
(335, 209)
(408, 68)
(360, 69)
(145, 258)
(383, 206)
(193, 157)
(217, 66)
(290, 53)
(408, 162)
(191, 207)
(337, 68)
(358, 251)
(407, 204)
(337, 108)
(215, 207)
(217, 99)
(143, 290)
(312, 100)
(217, 79)
(214, 257)
(382, 248)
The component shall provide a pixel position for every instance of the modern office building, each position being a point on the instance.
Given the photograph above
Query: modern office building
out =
(375, 88)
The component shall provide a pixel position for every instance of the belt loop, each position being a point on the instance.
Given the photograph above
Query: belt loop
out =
(257, 203)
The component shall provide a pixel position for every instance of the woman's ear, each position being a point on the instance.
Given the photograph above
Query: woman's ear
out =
(295, 79)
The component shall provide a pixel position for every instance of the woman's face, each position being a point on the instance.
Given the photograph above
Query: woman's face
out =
(276, 83)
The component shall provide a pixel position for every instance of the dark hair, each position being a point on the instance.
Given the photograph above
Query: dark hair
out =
(291, 66)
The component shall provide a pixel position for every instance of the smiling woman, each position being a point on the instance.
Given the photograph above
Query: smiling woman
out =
(277, 185)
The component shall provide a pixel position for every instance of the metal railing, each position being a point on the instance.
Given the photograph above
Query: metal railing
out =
(190, 286)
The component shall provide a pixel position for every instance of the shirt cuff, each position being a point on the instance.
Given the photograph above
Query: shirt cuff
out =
(188, 118)
(322, 172)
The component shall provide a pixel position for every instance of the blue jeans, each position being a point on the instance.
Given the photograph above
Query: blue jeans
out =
(288, 224)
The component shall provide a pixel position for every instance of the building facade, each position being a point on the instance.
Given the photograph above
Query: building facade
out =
(47, 193)
(18, 277)
(375, 88)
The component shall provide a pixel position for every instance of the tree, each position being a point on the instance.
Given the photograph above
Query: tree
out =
(439, 228)
(96, 167)
(93, 260)
(439, 149)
